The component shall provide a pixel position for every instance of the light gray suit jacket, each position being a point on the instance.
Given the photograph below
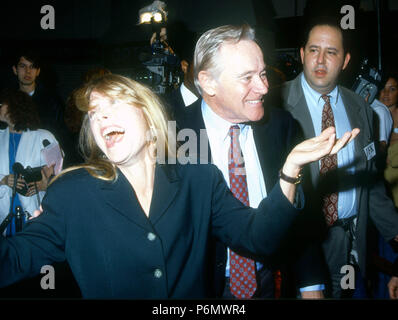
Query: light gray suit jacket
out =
(372, 197)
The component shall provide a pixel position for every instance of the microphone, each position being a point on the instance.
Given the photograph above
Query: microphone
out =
(46, 143)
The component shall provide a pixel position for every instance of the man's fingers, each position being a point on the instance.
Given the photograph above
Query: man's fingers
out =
(340, 143)
(354, 133)
(326, 146)
(347, 138)
(320, 146)
(325, 134)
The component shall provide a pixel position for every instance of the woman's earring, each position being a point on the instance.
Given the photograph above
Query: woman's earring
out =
(153, 135)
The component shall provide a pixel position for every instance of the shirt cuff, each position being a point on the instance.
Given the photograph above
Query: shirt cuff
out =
(316, 287)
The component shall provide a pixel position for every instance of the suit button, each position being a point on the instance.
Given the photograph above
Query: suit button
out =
(158, 273)
(151, 236)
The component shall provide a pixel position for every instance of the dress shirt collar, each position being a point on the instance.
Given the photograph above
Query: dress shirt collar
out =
(218, 127)
(187, 95)
(316, 96)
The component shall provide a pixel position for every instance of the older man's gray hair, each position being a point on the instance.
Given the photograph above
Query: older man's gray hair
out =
(206, 50)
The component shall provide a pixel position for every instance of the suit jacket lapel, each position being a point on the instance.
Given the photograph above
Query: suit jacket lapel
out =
(192, 118)
(261, 137)
(180, 100)
(121, 197)
(357, 116)
(297, 106)
(165, 190)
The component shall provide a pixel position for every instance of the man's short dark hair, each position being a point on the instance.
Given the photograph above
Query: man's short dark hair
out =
(330, 21)
(30, 55)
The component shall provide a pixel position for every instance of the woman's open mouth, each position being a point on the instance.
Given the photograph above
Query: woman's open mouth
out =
(112, 135)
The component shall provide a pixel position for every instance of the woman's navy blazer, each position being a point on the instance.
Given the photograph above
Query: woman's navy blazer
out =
(116, 251)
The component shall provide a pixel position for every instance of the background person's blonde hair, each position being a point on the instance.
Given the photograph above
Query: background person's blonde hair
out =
(118, 87)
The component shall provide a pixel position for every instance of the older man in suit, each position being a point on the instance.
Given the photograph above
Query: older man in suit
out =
(343, 187)
(230, 74)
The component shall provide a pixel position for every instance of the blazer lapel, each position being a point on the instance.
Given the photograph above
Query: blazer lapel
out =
(192, 118)
(261, 137)
(297, 106)
(165, 190)
(357, 116)
(120, 196)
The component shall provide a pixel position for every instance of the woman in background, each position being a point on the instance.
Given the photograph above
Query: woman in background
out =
(389, 96)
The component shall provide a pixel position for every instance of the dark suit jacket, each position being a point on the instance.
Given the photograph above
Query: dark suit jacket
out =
(115, 251)
(373, 200)
(174, 102)
(275, 136)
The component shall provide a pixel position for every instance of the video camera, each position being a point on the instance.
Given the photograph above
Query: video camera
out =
(368, 82)
(28, 174)
(161, 71)
(161, 68)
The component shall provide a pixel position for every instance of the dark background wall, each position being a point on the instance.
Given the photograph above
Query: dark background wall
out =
(103, 32)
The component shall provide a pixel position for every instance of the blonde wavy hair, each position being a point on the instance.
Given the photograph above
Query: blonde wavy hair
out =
(131, 92)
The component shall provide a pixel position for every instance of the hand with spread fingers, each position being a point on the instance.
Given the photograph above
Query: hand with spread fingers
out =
(318, 147)
(312, 150)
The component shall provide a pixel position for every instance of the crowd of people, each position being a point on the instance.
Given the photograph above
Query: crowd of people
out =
(276, 200)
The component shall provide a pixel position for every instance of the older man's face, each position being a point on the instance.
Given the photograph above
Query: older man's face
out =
(323, 58)
(242, 83)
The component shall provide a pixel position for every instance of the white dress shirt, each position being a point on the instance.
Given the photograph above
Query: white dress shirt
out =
(187, 95)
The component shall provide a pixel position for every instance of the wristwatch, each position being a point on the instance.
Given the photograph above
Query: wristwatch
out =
(288, 179)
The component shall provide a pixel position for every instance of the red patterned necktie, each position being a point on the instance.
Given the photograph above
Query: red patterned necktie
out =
(330, 201)
(242, 270)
